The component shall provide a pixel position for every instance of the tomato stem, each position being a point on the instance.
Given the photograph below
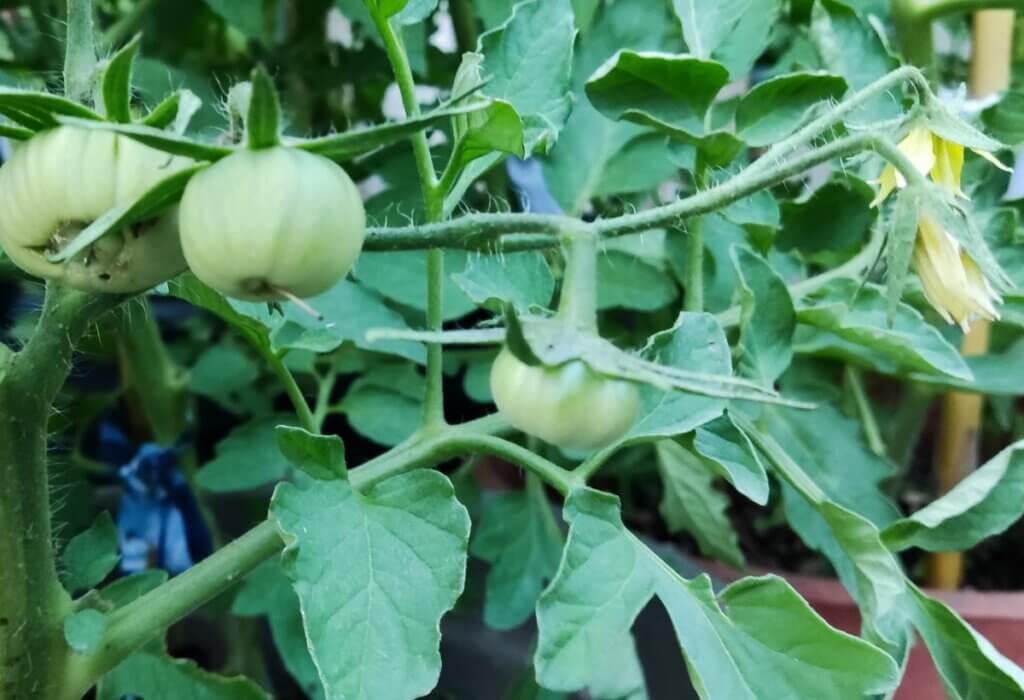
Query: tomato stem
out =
(577, 305)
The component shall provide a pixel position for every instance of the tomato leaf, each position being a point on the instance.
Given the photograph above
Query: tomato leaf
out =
(375, 571)
(775, 108)
(320, 456)
(519, 537)
(89, 556)
(758, 639)
(83, 630)
(984, 504)
(154, 675)
(355, 142)
(767, 319)
(691, 503)
(117, 82)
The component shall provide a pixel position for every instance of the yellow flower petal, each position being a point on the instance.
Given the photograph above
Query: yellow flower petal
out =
(953, 283)
(919, 149)
(993, 160)
(886, 184)
(949, 164)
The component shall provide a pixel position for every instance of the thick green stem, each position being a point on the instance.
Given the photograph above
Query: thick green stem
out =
(577, 305)
(32, 601)
(694, 300)
(476, 231)
(159, 384)
(433, 201)
(80, 56)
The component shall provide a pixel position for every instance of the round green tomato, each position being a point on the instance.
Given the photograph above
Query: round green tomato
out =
(570, 406)
(260, 225)
(62, 180)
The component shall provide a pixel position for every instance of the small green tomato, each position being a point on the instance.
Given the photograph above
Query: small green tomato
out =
(570, 406)
(63, 179)
(268, 224)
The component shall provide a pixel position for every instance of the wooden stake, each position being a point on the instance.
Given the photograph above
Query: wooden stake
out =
(960, 424)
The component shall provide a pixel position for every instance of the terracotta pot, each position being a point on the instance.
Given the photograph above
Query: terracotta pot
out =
(998, 616)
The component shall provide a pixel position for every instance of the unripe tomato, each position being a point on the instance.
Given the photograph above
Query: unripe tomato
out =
(278, 220)
(63, 179)
(570, 406)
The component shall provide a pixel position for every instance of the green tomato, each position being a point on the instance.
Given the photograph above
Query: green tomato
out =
(63, 179)
(262, 225)
(570, 406)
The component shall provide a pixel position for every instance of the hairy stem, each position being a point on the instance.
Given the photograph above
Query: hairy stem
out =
(32, 601)
(433, 200)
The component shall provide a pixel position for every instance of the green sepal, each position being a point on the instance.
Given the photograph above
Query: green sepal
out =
(263, 120)
(515, 338)
(161, 195)
(117, 82)
(165, 141)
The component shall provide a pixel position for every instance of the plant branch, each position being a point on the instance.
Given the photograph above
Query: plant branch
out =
(433, 201)
(295, 395)
(139, 622)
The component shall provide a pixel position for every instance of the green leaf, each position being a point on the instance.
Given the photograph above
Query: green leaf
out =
(348, 311)
(117, 82)
(244, 15)
(1005, 119)
(156, 676)
(527, 62)
(741, 48)
(961, 226)
(149, 204)
(767, 319)
(768, 644)
(672, 93)
(263, 121)
(691, 503)
(775, 108)
(948, 125)
(166, 141)
(519, 537)
(706, 23)
(320, 456)
(910, 341)
(984, 504)
(851, 47)
(188, 288)
(523, 279)
(496, 128)
(402, 276)
(845, 204)
(584, 616)
(697, 342)
(375, 572)
(267, 591)
(628, 282)
(247, 458)
(356, 142)
(83, 630)
(968, 664)
(385, 404)
(89, 556)
(758, 209)
(728, 451)
(225, 373)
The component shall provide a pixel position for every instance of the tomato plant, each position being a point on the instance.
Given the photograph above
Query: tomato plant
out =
(336, 332)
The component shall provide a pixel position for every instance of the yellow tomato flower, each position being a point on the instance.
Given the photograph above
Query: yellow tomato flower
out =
(932, 155)
(952, 281)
